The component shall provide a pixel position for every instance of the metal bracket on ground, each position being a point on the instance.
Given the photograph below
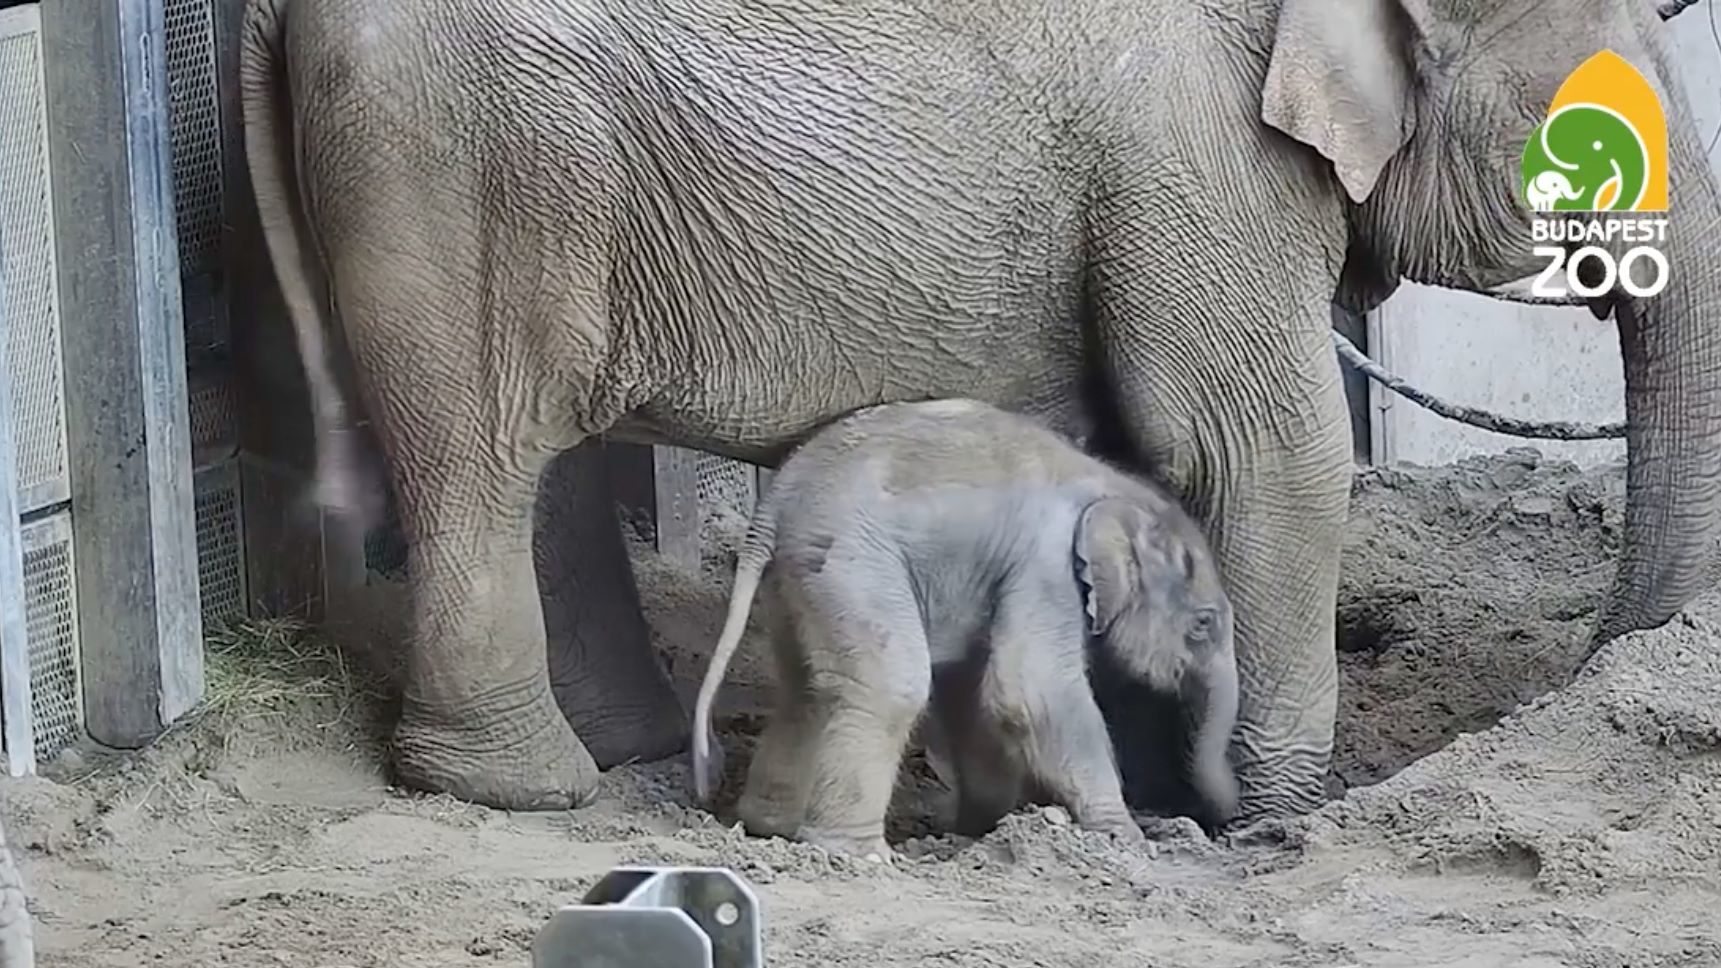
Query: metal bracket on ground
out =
(656, 917)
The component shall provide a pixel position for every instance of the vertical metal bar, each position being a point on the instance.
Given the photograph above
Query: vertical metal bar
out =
(1381, 443)
(17, 723)
(133, 515)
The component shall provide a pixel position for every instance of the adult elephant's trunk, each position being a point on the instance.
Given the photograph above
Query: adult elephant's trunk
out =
(1671, 344)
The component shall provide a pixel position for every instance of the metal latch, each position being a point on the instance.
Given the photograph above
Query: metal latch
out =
(656, 917)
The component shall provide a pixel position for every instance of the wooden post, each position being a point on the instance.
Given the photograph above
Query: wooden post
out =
(661, 484)
(128, 430)
(675, 475)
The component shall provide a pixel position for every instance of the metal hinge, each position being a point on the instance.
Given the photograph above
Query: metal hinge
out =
(656, 917)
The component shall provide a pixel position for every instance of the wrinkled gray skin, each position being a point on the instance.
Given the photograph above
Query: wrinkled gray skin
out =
(17, 941)
(721, 224)
(951, 553)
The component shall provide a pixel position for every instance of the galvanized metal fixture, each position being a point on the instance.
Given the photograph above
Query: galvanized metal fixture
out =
(656, 917)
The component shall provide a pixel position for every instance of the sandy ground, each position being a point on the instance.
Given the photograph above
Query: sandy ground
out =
(1582, 829)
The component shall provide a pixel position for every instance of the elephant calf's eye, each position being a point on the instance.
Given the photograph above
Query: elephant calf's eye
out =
(1201, 626)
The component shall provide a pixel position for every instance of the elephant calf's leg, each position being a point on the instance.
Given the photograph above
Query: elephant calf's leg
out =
(869, 677)
(605, 674)
(989, 777)
(988, 770)
(1069, 751)
(854, 755)
(1037, 693)
(774, 800)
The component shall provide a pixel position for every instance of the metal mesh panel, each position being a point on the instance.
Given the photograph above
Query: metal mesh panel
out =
(32, 305)
(723, 486)
(386, 551)
(205, 319)
(220, 543)
(51, 616)
(194, 110)
(214, 423)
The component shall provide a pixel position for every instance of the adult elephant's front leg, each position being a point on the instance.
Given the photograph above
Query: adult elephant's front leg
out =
(605, 674)
(1259, 450)
(1278, 521)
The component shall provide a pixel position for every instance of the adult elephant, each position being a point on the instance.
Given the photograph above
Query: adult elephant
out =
(717, 224)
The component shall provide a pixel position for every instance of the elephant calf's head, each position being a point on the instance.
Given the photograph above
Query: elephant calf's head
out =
(1159, 617)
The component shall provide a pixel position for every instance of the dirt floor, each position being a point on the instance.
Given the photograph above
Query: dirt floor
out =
(1583, 829)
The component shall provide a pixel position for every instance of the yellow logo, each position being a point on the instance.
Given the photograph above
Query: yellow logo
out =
(1603, 145)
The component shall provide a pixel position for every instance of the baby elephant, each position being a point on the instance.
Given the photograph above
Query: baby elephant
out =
(953, 553)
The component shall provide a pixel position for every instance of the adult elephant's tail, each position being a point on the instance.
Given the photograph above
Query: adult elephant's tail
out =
(346, 481)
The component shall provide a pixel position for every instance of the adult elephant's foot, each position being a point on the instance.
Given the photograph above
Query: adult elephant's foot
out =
(606, 677)
(605, 674)
(625, 722)
(1280, 789)
(510, 751)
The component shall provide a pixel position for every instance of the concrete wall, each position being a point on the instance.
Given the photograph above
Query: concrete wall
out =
(1536, 362)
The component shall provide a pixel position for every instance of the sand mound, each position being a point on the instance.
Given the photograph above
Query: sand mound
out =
(1578, 830)
(1465, 590)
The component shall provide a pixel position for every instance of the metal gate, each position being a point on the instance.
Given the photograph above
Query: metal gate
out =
(104, 533)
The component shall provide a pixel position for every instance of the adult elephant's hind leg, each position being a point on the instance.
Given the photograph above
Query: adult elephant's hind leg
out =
(604, 672)
(476, 331)
(478, 717)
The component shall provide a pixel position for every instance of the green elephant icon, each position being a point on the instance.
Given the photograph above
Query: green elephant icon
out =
(1584, 158)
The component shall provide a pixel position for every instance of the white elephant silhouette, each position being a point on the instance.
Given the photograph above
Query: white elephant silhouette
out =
(1547, 188)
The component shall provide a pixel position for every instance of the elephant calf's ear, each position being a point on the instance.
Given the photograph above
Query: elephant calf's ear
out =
(1106, 559)
(1340, 81)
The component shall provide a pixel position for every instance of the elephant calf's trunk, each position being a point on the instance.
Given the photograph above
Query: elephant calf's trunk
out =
(1210, 771)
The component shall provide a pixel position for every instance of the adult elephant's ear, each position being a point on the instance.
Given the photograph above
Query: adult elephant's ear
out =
(1341, 80)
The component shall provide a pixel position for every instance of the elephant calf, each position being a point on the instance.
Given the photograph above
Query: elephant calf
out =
(953, 552)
